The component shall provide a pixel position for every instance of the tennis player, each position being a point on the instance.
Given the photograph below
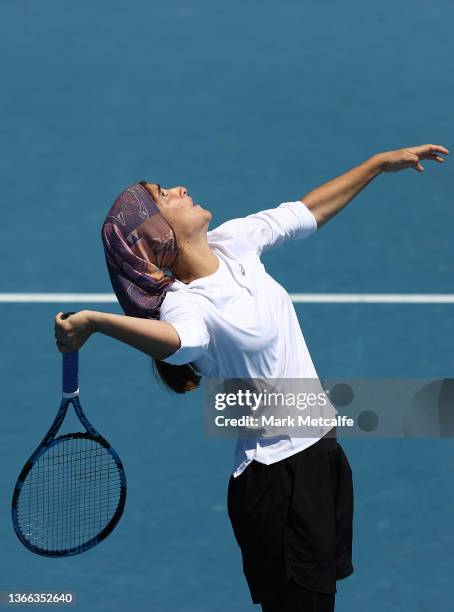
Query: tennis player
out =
(200, 303)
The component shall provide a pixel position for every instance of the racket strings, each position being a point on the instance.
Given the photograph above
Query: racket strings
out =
(69, 496)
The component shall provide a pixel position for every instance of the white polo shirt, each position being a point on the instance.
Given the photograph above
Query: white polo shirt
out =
(239, 322)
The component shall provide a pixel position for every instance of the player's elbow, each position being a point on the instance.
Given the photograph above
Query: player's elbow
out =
(168, 344)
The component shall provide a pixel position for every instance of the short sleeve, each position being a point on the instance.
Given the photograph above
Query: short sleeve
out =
(271, 228)
(190, 327)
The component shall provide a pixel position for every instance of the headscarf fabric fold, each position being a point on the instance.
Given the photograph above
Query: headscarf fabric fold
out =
(140, 248)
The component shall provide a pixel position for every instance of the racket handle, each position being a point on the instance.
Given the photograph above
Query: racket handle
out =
(70, 369)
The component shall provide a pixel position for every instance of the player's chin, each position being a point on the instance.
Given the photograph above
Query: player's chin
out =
(203, 211)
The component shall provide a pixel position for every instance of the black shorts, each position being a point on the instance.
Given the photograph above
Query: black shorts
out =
(293, 519)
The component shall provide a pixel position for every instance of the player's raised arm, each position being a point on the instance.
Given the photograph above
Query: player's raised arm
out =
(327, 200)
(157, 339)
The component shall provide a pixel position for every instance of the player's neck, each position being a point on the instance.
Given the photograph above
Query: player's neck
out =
(195, 260)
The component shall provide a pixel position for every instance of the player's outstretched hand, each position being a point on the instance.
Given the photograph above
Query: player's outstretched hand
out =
(410, 157)
(73, 332)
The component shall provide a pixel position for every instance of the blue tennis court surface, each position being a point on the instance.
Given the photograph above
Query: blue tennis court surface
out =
(247, 105)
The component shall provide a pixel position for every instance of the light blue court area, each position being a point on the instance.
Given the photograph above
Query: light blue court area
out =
(247, 105)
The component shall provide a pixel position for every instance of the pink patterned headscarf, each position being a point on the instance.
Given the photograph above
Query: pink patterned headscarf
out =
(140, 246)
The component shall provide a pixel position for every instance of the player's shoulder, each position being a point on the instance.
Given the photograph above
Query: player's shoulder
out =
(180, 298)
(240, 226)
(226, 230)
(231, 237)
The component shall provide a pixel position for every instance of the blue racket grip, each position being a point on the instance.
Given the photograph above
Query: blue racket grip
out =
(70, 367)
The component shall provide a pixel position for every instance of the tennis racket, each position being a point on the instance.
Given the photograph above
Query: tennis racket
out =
(71, 493)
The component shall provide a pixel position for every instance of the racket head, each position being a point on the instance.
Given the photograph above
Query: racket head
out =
(69, 496)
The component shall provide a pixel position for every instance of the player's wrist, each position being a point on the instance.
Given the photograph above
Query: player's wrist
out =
(378, 162)
(91, 321)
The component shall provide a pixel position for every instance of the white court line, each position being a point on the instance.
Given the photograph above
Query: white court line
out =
(55, 298)
(308, 298)
(374, 298)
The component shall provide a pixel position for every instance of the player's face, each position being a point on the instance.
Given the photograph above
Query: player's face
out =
(185, 217)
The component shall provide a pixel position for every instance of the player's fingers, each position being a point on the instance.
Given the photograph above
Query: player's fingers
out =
(57, 322)
(60, 325)
(429, 148)
(427, 154)
(439, 148)
(434, 156)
